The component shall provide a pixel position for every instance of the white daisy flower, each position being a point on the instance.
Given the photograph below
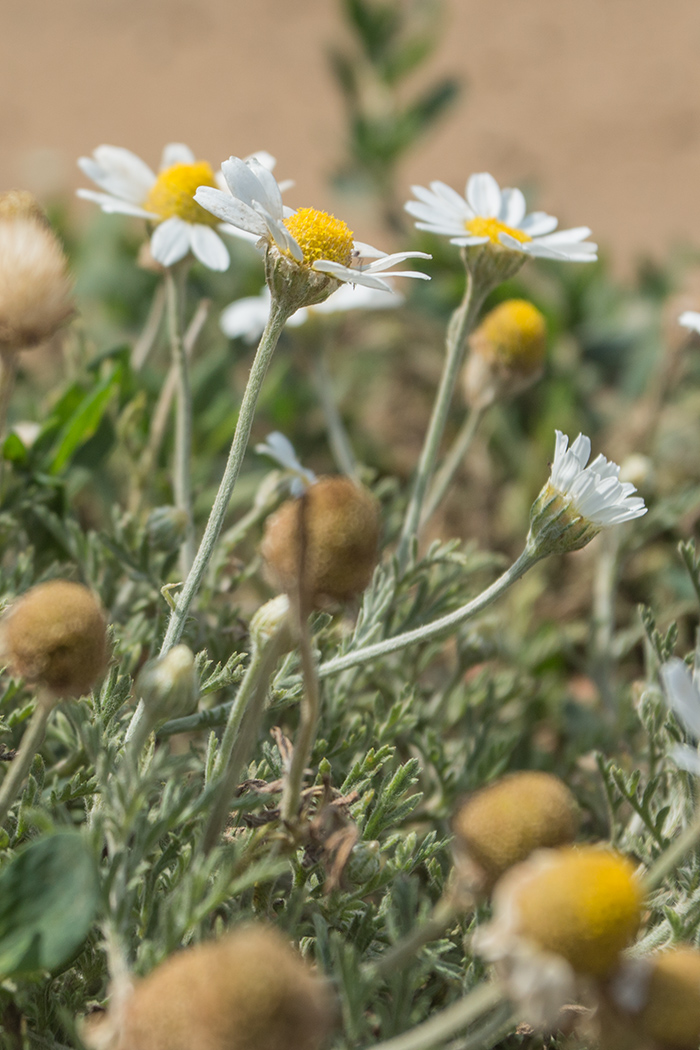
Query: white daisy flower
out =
(280, 449)
(684, 700)
(311, 238)
(246, 318)
(131, 188)
(488, 214)
(690, 319)
(578, 500)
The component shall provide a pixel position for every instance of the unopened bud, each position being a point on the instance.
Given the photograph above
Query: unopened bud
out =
(56, 635)
(268, 620)
(166, 528)
(341, 527)
(507, 353)
(168, 685)
(36, 294)
(502, 824)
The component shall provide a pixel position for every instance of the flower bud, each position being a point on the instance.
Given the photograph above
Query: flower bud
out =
(166, 528)
(341, 526)
(248, 991)
(668, 989)
(36, 295)
(507, 353)
(168, 685)
(502, 824)
(56, 635)
(268, 620)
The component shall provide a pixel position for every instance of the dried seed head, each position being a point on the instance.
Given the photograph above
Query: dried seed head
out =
(20, 204)
(248, 991)
(671, 1012)
(36, 295)
(507, 353)
(502, 824)
(56, 635)
(341, 524)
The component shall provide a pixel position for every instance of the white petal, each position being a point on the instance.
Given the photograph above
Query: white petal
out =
(349, 297)
(264, 158)
(484, 195)
(685, 758)
(345, 273)
(512, 207)
(682, 696)
(453, 201)
(247, 317)
(119, 171)
(176, 153)
(170, 241)
(208, 247)
(690, 319)
(537, 223)
(113, 205)
(231, 210)
(561, 237)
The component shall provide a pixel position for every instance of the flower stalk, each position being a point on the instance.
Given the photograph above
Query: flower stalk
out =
(451, 464)
(182, 466)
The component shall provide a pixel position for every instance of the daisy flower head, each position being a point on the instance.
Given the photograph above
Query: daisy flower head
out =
(488, 217)
(307, 252)
(246, 318)
(128, 186)
(579, 499)
(690, 319)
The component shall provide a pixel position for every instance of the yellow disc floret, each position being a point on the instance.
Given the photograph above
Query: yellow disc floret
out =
(583, 904)
(172, 194)
(321, 236)
(514, 334)
(491, 228)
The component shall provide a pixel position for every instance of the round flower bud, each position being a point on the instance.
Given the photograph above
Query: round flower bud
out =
(248, 991)
(55, 635)
(168, 685)
(671, 1012)
(36, 295)
(268, 620)
(166, 528)
(20, 204)
(502, 824)
(583, 904)
(341, 522)
(507, 353)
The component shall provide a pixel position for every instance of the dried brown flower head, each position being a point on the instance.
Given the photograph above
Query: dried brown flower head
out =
(248, 991)
(55, 635)
(503, 823)
(21, 204)
(36, 293)
(658, 999)
(342, 526)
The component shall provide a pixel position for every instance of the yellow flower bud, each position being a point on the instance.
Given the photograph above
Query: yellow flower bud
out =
(507, 353)
(503, 823)
(583, 904)
(341, 522)
(248, 991)
(55, 635)
(36, 295)
(671, 1013)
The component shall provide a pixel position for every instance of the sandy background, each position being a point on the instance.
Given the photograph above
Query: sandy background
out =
(596, 103)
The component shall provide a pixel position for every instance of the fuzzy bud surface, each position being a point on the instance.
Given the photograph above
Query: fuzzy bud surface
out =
(36, 294)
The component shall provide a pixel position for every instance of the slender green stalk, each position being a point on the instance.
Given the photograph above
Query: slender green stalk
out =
(436, 1031)
(491, 1033)
(460, 325)
(437, 627)
(8, 374)
(279, 315)
(337, 434)
(182, 466)
(144, 344)
(671, 858)
(451, 464)
(242, 732)
(22, 762)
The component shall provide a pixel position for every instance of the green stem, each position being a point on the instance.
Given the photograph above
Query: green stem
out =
(436, 1031)
(460, 325)
(306, 733)
(451, 464)
(527, 559)
(144, 344)
(242, 732)
(176, 625)
(21, 764)
(337, 434)
(182, 466)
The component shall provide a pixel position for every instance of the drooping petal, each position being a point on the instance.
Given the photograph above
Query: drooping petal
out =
(170, 241)
(113, 205)
(208, 247)
(231, 210)
(119, 171)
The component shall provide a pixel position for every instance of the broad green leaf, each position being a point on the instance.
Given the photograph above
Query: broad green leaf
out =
(85, 420)
(49, 894)
(13, 449)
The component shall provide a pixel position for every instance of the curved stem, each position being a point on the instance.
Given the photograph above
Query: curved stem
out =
(452, 462)
(21, 764)
(182, 466)
(440, 626)
(176, 625)
(457, 332)
(436, 1031)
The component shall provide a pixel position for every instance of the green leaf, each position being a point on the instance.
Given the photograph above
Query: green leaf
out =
(13, 449)
(85, 420)
(49, 894)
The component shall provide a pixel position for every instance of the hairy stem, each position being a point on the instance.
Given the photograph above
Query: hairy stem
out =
(451, 464)
(337, 434)
(182, 466)
(176, 625)
(144, 343)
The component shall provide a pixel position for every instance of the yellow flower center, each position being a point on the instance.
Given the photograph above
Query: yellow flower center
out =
(514, 334)
(321, 236)
(586, 906)
(172, 194)
(491, 228)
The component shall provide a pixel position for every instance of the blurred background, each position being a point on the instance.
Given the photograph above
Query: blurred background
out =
(595, 107)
